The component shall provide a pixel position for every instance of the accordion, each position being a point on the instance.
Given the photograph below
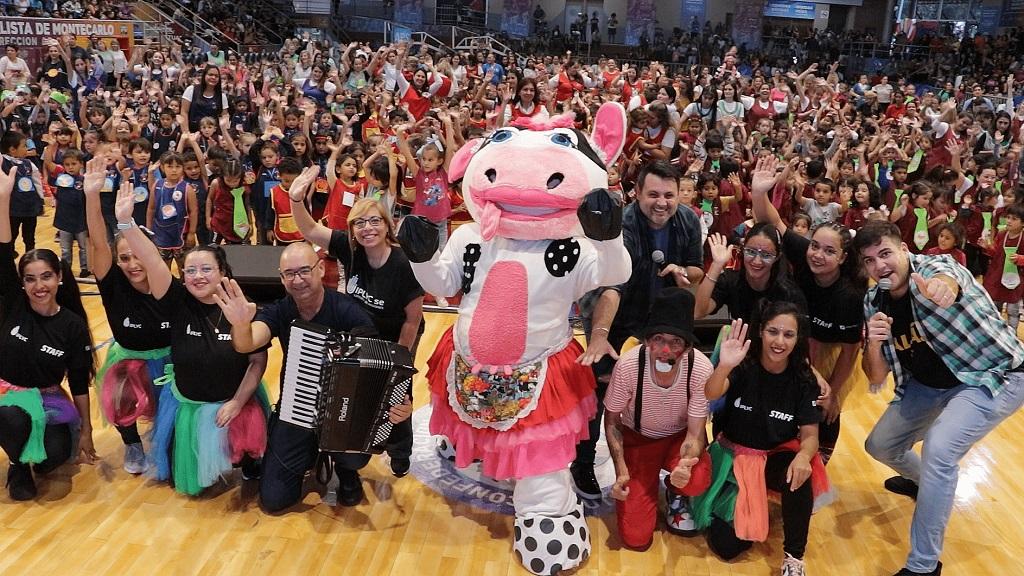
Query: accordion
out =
(342, 386)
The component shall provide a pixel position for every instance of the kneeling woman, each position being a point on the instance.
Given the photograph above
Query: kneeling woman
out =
(769, 439)
(212, 407)
(44, 337)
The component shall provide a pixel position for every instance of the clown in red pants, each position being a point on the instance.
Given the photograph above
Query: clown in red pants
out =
(645, 459)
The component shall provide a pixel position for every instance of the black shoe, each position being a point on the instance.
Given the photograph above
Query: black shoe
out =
(252, 468)
(902, 486)
(85, 273)
(20, 484)
(908, 572)
(350, 490)
(400, 467)
(586, 482)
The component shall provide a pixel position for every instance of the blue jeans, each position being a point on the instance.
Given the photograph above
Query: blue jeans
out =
(949, 422)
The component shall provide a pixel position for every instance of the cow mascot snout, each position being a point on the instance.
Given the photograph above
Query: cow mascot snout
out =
(504, 382)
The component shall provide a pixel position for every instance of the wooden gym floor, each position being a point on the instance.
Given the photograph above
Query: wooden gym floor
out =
(100, 520)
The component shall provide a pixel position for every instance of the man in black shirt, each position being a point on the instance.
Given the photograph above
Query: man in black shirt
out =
(291, 450)
(655, 223)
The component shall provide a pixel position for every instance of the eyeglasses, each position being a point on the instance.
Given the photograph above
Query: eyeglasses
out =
(765, 256)
(374, 221)
(304, 272)
(199, 271)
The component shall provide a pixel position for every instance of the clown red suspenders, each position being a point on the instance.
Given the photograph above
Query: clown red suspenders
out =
(638, 405)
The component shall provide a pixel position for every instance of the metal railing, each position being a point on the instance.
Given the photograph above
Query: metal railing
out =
(187, 22)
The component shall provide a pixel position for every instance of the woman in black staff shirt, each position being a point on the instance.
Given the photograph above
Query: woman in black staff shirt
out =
(209, 388)
(828, 276)
(142, 338)
(763, 275)
(379, 278)
(44, 337)
(770, 436)
(205, 100)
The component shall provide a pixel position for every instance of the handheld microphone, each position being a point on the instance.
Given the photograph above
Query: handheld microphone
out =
(883, 298)
(659, 259)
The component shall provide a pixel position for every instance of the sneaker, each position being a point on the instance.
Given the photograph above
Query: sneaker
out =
(792, 566)
(20, 484)
(902, 486)
(909, 572)
(678, 516)
(400, 467)
(134, 458)
(585, 482)
(252, 468)
(442, 302)
(350, 490)
(85, 273)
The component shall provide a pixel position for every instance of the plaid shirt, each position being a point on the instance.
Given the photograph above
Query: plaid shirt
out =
(970, 336)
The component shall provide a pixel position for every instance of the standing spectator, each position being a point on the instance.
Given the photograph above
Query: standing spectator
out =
(13, 69)
(613, 27)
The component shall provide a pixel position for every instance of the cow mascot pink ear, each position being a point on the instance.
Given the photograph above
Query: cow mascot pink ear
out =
(505, 386)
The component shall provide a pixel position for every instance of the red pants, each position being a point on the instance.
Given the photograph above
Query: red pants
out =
(645, 459)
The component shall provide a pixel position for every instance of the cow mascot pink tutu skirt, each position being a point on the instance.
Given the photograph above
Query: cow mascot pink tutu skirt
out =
(504, 382)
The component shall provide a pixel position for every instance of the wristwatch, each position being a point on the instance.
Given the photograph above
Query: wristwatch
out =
(122, 226)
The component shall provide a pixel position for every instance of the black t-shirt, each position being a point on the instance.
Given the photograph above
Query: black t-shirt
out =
(38, 351)
(764, 410)
(137, 321)
(338, 312)
(54, 73)
(915, 355)
(733, 291)
(206, 366)
(383, 293)
(836, 312)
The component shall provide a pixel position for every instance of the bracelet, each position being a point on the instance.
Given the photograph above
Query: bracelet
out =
(713, 280)
(122, 226)
(605, 330)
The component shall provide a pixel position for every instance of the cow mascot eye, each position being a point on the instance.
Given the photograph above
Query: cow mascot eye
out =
(501, 136)
(562, 139)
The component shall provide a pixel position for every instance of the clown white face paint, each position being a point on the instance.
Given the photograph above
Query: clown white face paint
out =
(666, 350)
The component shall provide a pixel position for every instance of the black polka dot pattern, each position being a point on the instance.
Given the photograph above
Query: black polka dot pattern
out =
(530, 544)
(573, 552)
(555, 569)
(537, 565)
(547, 526)
(554, 547)
(561, 256)
(569, 528)
(469, 262)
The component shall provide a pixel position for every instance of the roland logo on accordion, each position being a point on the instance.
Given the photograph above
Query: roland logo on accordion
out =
(343, 386)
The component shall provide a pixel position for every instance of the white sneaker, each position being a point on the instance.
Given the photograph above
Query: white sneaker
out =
(134, 458)
(678, 515)
(792, 566)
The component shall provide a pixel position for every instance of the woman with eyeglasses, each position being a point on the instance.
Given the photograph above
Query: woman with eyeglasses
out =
(212, 407)
(762, 274)
(380, 279)
(769, 437)
(44, 338)
(827, 274)
(135, 359)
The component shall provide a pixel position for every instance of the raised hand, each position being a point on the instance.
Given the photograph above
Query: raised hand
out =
(600, 215)
(7, 182)
(764, 176)
(95, 175)
(300, 186)
(238, 311)
(419, 238)
(125, 204)
(735, 346)
(935, 289)
(721, 251)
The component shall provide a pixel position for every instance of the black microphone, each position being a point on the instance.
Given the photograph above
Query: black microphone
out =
(883, 299)
(659, 259)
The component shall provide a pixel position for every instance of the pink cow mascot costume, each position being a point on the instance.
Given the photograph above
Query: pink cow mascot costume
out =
(505, 385)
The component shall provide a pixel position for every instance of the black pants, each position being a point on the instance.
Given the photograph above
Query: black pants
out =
(27, 225)
(15, 427)
(129, 434)
(291, 452)
(828, 437)
(796, 514)
(587, 449)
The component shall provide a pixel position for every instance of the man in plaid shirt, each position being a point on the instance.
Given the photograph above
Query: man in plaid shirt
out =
(958, 373)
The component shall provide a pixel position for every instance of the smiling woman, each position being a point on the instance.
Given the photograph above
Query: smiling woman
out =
(44, 339)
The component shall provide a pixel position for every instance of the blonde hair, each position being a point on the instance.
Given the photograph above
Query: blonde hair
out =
(361, 209)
